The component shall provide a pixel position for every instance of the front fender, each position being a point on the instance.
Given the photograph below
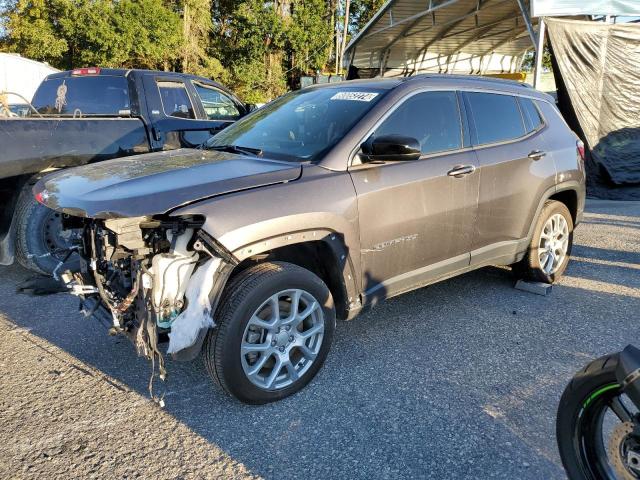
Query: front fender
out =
(320, 206)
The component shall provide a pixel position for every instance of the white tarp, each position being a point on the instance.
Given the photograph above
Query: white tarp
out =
(599, 66)
(21, 75)
(551, 8)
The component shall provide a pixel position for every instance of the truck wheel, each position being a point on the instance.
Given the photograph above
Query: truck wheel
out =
(550, 248)
(274, 329)
(40, 238)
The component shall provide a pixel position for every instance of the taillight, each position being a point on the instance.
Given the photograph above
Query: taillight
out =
(580, 148)
(86, 71)
(42, 196)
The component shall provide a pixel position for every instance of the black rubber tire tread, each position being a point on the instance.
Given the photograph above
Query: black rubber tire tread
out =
(212, 337)
(25, 208)
(235, 293)
(529, 268)
(598, 373)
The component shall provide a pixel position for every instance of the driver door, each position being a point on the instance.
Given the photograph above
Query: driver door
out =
(416, 218)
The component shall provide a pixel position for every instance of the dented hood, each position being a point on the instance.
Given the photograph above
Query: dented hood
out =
(156, 183)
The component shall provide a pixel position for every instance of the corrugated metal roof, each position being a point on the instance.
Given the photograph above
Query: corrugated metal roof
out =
(403, 30)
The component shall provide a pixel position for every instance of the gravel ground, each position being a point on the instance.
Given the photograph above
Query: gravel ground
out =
(457, 380)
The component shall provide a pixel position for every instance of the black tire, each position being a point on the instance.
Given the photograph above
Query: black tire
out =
(580, 403)
(529, 267)
(244, 294)
(31, 223)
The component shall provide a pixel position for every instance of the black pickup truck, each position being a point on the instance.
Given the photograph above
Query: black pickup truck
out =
(88, 115)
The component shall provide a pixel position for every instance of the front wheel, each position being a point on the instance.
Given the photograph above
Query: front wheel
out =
(275, 326)
(595, 426)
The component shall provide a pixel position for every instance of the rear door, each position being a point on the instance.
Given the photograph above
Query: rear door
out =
(515, 170)
(416, 219)
(177, 114)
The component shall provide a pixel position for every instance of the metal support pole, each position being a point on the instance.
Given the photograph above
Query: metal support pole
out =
(539, 54)
(527, 21)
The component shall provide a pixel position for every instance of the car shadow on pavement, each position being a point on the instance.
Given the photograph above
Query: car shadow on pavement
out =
(453, 380)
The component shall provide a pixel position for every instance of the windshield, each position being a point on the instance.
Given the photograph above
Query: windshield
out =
(79, 96)
(302, 125)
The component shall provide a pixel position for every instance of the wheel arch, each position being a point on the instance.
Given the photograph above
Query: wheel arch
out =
(564, 192)
(322, 252)
(569, 197)
(10, 190)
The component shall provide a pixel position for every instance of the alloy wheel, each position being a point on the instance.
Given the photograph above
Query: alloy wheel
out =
(554, 243)
(282, 339)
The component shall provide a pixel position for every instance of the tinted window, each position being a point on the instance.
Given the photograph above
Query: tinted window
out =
(301, 125)
(216, 104)
(532, 117)
(175, 100)
(432, 118)
(91, 95)
(496, 117)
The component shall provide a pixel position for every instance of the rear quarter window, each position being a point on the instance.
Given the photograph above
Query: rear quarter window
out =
(80, 96)
(496, 117)
(532, 118)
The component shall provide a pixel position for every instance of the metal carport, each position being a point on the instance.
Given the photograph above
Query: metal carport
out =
(406, 36)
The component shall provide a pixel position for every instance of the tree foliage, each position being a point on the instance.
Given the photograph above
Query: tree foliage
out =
(72, 33)
(529, 61)
(257, 47)
(361, 12)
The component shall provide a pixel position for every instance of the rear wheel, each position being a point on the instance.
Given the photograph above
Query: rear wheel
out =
(41, 242)
(275, 327)
(550, 248)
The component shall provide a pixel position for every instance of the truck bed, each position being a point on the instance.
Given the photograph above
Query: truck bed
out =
(31, 145)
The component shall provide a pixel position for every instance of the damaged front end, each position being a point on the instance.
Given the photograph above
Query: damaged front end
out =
(151, 276)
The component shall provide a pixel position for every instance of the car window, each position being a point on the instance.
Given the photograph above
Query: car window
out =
(83, 95)
(215, 103)
(175, 100)
(301, 125)
(432, 118)
(532, 117)
(497, 117)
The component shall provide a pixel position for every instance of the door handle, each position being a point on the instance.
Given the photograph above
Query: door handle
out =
(460, 171)
(537, 154)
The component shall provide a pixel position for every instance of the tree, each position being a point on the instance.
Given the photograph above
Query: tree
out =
(250, 39)
(258, 47)
(197, 28)
(75, 33)
(361, 12)
(352, 16)
(30, 31)
(309, 33)
(529, 62)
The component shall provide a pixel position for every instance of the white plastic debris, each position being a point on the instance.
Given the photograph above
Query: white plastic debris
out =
(171, 272)
(197, 315)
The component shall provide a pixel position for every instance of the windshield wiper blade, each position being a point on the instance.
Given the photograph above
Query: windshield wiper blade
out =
(256, 152)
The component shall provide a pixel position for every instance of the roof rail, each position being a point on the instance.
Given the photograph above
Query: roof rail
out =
(478, 78)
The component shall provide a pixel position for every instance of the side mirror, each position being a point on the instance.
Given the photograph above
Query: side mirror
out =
(250, 107)
(393, 148)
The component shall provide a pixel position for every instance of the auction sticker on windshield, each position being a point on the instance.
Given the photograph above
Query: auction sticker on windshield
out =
(355, 96)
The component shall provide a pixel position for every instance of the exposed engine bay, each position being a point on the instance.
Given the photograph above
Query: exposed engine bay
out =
(154, 277)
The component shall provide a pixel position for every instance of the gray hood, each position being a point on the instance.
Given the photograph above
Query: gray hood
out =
(156, 183)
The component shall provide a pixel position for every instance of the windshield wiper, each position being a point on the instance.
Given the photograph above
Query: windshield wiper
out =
(256, 152)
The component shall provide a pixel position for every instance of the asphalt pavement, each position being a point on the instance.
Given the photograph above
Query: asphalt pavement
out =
(456, 380)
